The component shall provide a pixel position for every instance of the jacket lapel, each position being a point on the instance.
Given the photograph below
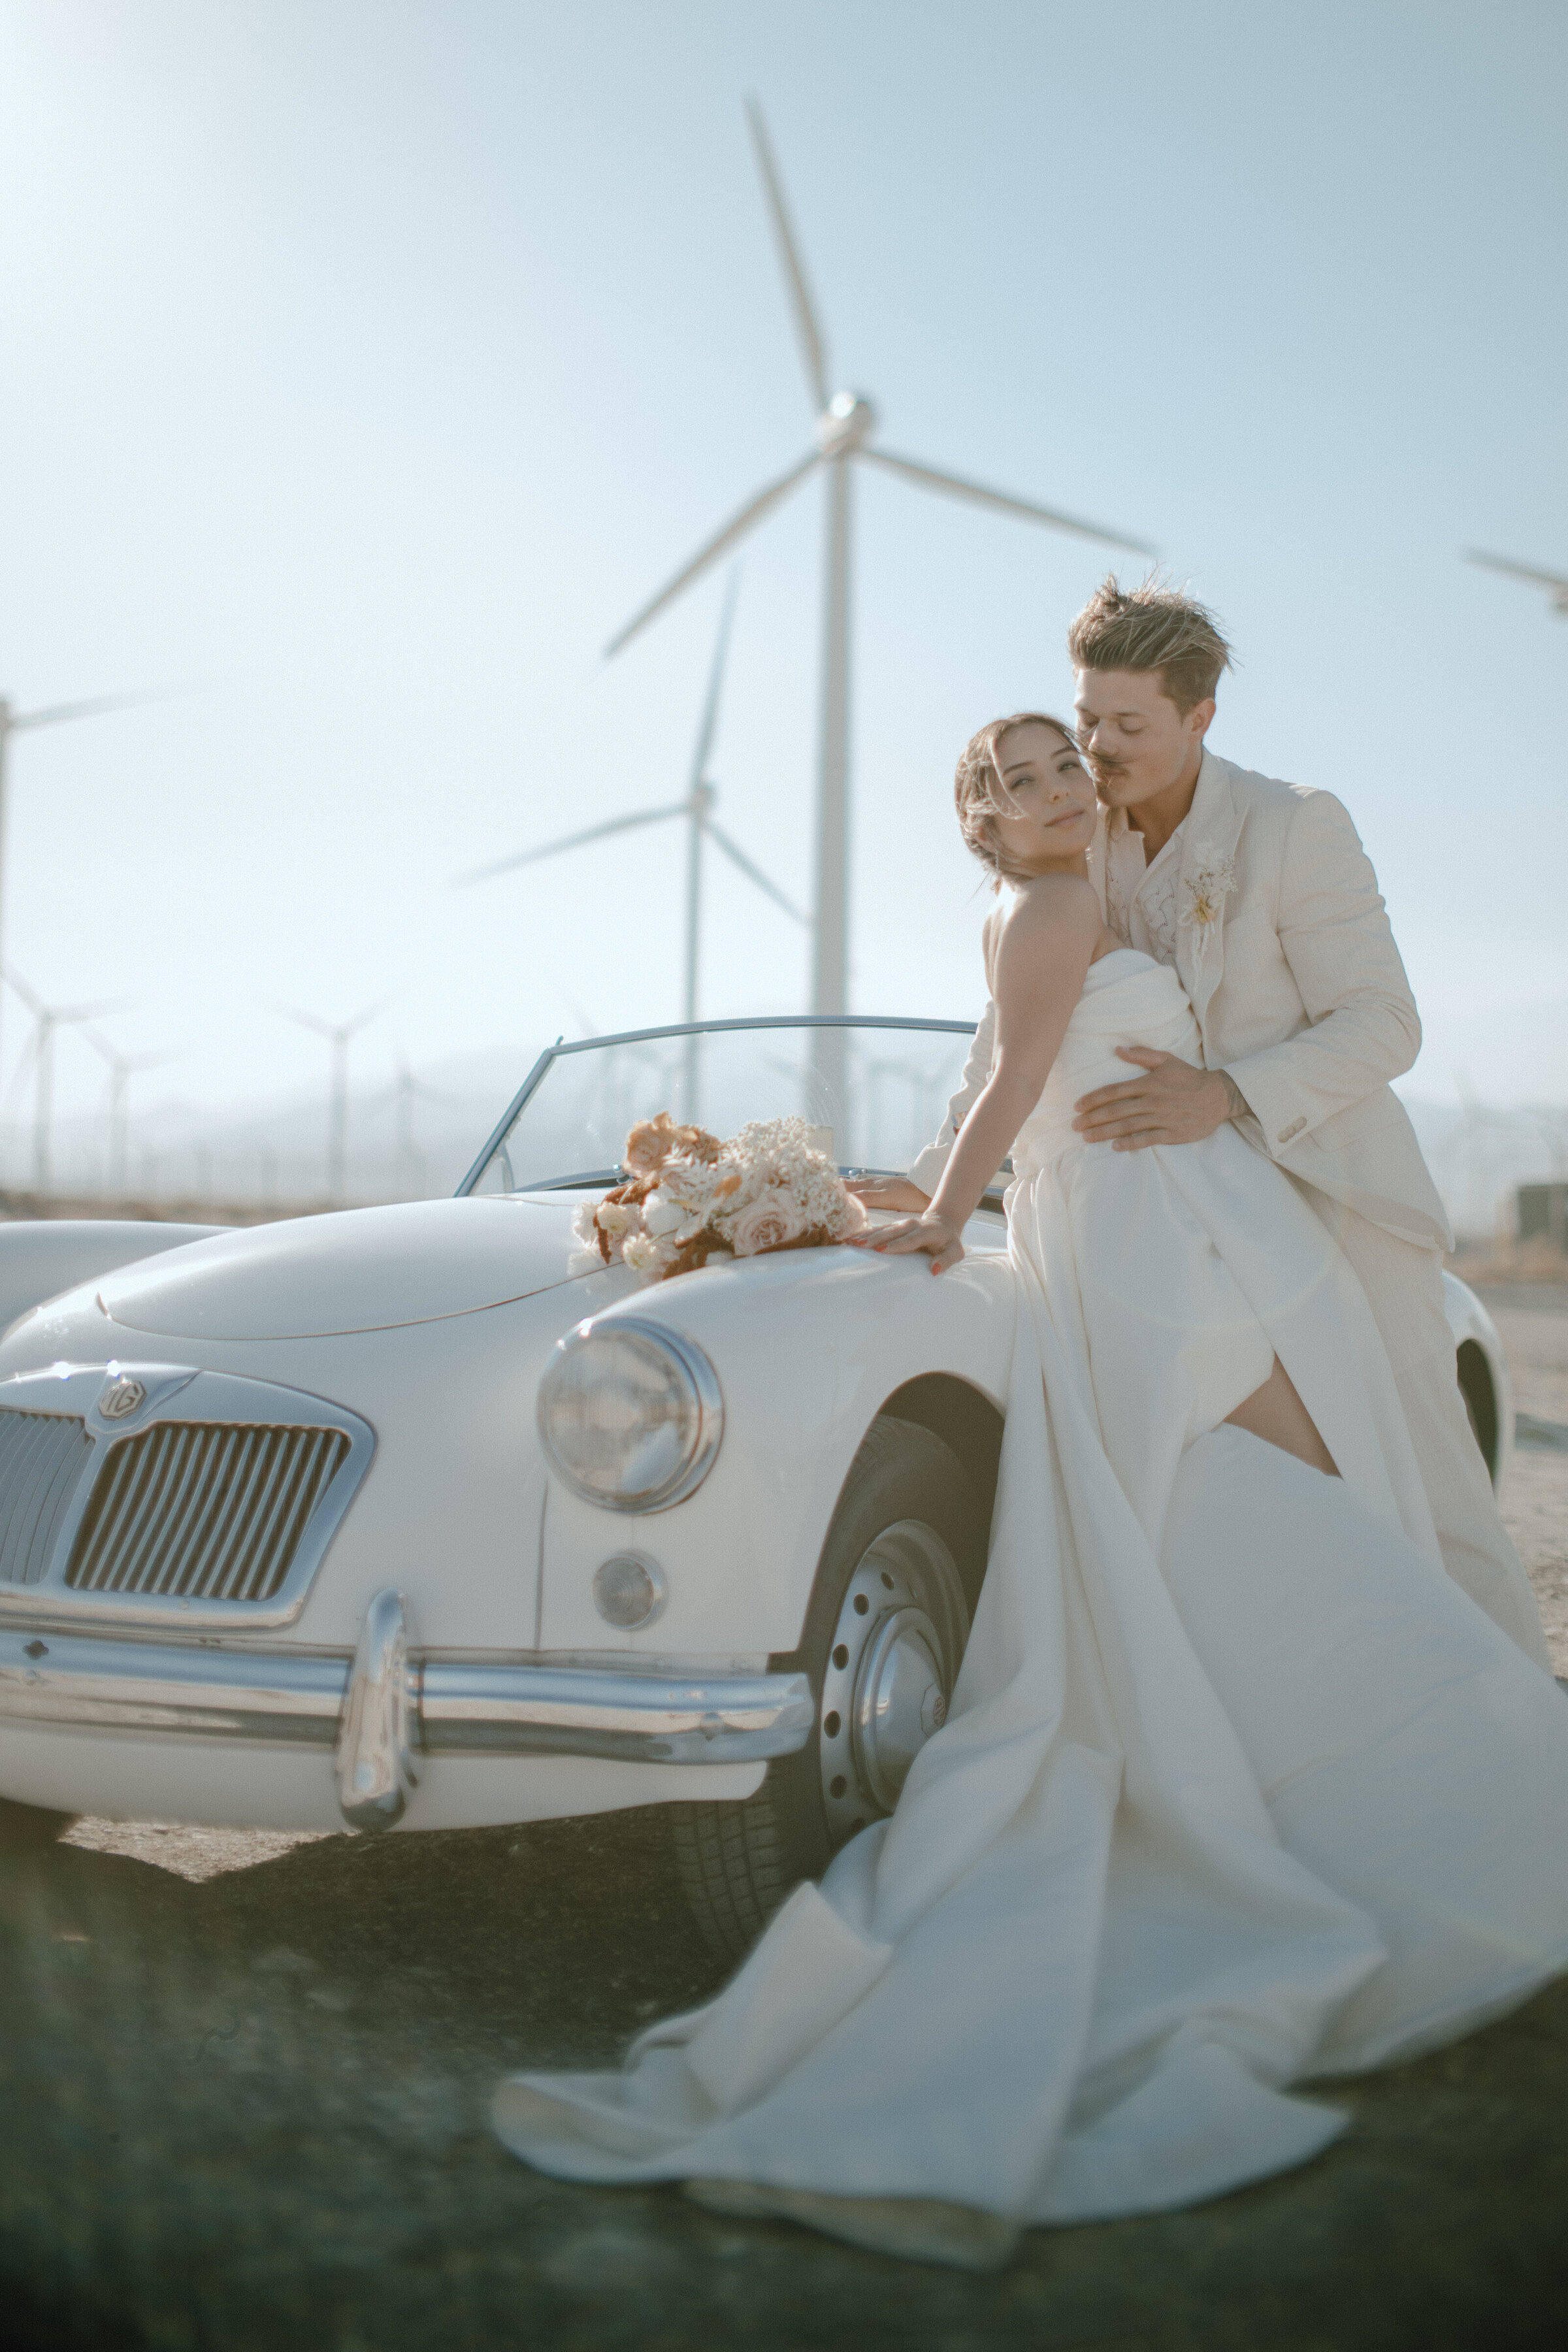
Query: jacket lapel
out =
(1206, 884)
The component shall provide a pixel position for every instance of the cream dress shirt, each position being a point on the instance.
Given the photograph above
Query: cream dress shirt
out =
(1140, 899)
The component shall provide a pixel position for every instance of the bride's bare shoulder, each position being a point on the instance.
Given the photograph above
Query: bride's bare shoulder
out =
(1050, 902)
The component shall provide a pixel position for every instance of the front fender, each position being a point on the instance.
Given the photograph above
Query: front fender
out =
(807, 1348)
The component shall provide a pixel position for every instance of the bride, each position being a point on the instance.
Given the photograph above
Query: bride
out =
(1237, 1788)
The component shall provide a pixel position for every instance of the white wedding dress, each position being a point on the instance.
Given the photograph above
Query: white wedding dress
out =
(1237, 1787)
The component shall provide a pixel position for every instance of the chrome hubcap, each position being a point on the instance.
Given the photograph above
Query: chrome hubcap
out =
(891, 1671)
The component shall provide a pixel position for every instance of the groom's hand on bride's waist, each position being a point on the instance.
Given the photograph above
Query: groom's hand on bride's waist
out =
(1170, 1103)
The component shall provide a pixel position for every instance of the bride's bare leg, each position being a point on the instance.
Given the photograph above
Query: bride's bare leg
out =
(1274, 1413)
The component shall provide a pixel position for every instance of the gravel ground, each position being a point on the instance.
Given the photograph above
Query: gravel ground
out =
(246, 2080)
(1532, 1324)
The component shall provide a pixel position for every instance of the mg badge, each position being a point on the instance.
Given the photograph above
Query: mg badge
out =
(122, 1398)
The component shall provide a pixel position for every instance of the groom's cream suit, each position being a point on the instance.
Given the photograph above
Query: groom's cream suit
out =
(1269, 910)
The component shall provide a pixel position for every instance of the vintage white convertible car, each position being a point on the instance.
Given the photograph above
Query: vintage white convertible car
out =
(388, 1519)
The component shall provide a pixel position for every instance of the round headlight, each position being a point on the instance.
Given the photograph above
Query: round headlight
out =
(630, 1414)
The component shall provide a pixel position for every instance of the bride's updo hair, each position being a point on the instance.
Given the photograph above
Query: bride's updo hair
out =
(980, 795)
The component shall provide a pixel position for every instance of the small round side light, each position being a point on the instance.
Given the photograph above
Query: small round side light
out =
(630, 1589)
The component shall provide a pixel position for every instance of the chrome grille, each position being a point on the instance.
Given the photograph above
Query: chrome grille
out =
(204, 1510)
(41, 1458)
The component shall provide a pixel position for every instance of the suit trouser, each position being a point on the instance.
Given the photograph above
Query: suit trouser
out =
(1404, 1286)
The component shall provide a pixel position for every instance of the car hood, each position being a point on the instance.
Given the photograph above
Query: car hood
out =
(359, 1270)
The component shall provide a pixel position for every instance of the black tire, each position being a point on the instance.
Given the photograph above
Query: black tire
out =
(1480, 1402)
(739, 1859)
(29, 1828)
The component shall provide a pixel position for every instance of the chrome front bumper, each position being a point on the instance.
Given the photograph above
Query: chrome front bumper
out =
(387, 1707)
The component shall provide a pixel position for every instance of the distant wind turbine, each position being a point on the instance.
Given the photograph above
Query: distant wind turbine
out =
(55, 714)
(845, 422)
(122, 1069)
(697, 808)
(47, 1020)
(338, 1034)
(1554, 582)
(403, 1099)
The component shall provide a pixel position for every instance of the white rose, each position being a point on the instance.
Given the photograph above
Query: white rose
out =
(767, 1224)
(616, 1218)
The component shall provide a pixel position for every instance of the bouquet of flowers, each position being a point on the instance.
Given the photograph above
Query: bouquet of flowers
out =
(688, 1198)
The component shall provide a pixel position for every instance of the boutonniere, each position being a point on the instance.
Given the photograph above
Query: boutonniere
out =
(1204, 894)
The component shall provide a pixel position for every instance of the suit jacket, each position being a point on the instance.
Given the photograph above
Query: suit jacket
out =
(1284, 947)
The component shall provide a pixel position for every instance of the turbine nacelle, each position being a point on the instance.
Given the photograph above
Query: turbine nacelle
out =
(845, 424)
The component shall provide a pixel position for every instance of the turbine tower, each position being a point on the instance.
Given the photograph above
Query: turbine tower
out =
(337, 1034)
(1554, 582)
(47, 1020)
(122, 1067)
(697, 808)
(845, 424)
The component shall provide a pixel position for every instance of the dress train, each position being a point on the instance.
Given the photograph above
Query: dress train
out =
(1237, 1787)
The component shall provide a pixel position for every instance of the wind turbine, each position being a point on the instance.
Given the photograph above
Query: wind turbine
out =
(338, 1034)
(697, 808)
(403, 1097)
(845, 422)
(47, 1020)
(122, 1068)
(411, 1159)
(1554, 582)
(55, 714)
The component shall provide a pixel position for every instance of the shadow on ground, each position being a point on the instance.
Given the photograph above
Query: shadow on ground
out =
(252, 2112)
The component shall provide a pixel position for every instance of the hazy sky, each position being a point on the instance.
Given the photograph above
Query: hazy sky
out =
(366, 365)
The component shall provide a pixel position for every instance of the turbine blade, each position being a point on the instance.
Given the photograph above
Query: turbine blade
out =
(1516, 570)
(813, 351)
(98, 706)
(70, 1016)
(573, 841)
(350, 1028)
(26, 1062)
(752, 873)
(306, 1020)
(715, 685)
(119, 1061)
(956, 487)
(34, 1002)
(734, 530)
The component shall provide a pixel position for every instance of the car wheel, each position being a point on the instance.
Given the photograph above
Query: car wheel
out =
(27, 1829)
(884, 1634)
(1480, 1402)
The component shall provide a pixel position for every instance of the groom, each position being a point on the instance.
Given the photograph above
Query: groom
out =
(1261, 897)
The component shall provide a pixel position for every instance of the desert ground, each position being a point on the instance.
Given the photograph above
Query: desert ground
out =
(246, 2077)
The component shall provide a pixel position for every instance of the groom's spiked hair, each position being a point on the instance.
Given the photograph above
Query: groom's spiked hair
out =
(1150, 627)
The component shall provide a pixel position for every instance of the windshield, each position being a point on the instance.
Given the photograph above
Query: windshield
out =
(876, 1090)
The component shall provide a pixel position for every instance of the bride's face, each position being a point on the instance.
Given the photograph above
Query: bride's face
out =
(1053, 797)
